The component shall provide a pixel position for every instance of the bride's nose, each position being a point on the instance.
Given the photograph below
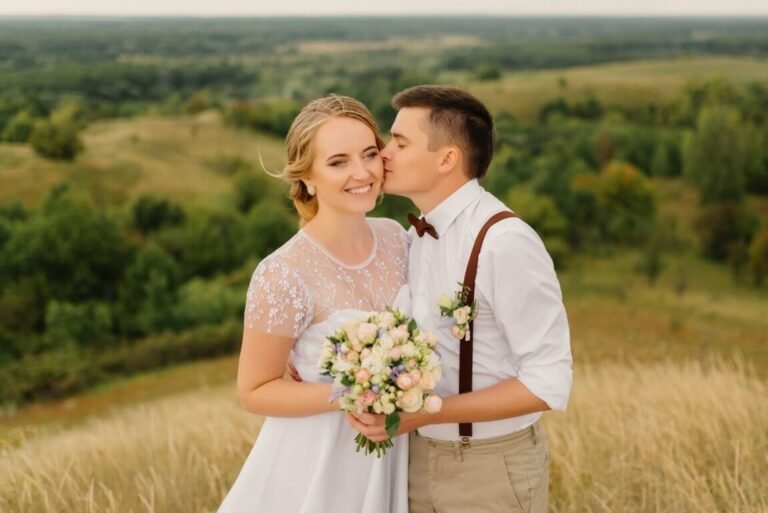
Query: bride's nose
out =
(363, 171)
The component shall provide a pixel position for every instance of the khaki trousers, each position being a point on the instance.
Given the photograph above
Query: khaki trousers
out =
(504, 474)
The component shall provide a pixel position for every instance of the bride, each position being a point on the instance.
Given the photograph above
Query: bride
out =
(339, 265)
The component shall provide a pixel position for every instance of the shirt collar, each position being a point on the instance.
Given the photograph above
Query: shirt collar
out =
(443, 215)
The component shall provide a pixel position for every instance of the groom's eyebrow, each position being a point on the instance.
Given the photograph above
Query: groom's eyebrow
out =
(397, 135)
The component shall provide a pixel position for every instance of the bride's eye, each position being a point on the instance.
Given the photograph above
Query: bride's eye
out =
(337, 163)
(372, 155)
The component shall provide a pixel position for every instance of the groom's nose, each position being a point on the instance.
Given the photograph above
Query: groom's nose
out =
(385, 152)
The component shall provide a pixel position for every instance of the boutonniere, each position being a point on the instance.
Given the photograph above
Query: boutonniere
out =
(458, 308)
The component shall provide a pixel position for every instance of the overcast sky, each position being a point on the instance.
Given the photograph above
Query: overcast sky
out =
(388, 7)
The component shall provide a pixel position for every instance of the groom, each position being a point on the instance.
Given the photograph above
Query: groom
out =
(485, 450)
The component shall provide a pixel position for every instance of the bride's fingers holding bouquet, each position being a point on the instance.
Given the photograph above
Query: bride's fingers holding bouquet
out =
(371, 426)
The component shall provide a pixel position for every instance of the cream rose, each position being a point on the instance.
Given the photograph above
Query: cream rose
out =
(387, 320)
(367, 332)
(412, 400)
(462, 314)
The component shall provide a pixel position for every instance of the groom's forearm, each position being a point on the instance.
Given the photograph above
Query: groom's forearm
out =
(507, 399)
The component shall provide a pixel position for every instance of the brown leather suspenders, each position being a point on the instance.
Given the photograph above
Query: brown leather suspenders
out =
(465, 349)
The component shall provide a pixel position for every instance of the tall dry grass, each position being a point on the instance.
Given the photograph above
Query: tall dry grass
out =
(662, 437)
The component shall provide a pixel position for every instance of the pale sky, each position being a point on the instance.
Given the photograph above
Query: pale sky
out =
(385, 7)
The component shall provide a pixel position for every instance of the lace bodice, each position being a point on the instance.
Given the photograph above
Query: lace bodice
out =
(301, 284)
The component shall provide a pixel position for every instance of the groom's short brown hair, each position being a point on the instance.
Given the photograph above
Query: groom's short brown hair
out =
(456, 117)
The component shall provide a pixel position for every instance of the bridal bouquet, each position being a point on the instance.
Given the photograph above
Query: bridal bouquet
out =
(382, 363)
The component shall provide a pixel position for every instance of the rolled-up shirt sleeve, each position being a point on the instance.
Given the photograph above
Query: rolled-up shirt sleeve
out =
(526, 301)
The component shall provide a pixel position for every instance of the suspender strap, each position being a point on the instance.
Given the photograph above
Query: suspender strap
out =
(465, 348)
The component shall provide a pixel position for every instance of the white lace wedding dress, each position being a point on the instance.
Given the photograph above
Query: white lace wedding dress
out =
(309, 464)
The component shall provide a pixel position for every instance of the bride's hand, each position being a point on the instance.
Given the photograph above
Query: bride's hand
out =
(373, 427)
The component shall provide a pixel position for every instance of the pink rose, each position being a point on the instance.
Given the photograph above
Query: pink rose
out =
(362, 376)
(433, 404)
(367, 398)
(458, 332)
(415, 375)
(395, 353)
(404, 382)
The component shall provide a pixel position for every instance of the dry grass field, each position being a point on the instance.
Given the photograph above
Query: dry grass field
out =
(660, 437)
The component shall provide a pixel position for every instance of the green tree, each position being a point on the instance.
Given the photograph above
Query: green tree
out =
(249, 190)
(151, 213)
(73, 252)
(19, 128)
(716, 155)
(267, 227)
(149, 292)
(486, 72)
(78, 324)
(758, 257)
(56, 141)
(724, 230)
(542, 215)
(626, 203)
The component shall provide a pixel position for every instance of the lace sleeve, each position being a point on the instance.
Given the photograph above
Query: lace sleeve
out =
(278, 301)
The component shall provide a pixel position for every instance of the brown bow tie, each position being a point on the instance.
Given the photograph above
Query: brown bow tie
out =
(422, 226)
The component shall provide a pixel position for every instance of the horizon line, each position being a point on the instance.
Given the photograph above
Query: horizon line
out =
(493, 15)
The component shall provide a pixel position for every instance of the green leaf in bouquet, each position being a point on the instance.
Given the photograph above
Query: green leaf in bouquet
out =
(412, 326)
(392, 424)
(347, 380)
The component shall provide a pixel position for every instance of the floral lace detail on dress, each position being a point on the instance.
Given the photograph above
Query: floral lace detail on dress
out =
(301, 284)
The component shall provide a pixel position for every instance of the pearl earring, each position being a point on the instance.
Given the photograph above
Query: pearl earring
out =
(311, 190)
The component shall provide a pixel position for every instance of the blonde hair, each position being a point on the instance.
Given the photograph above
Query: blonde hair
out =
(300, 151)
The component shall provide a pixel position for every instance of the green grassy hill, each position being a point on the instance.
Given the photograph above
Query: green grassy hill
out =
(181, 158)
(623, 83)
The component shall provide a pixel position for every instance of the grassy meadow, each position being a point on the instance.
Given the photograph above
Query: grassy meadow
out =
(177, 158)
(669, 409)
(622, 83)
(668, 413)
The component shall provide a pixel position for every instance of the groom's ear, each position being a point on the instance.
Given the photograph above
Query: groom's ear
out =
(449, 159)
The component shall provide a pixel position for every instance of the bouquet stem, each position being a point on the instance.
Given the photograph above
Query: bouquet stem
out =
(380, 448)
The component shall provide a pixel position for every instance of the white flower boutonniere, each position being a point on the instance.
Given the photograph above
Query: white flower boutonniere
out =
(458, 308)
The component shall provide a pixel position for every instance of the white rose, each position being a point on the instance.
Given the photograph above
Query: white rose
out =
(412, 400)
(444, 301)
(399, 334)
(341, 366)
(408, 350)
(388, 408)
(431, 339)
(386, 342)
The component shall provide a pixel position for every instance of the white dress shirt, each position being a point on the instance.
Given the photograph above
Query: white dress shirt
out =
(521, 330)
